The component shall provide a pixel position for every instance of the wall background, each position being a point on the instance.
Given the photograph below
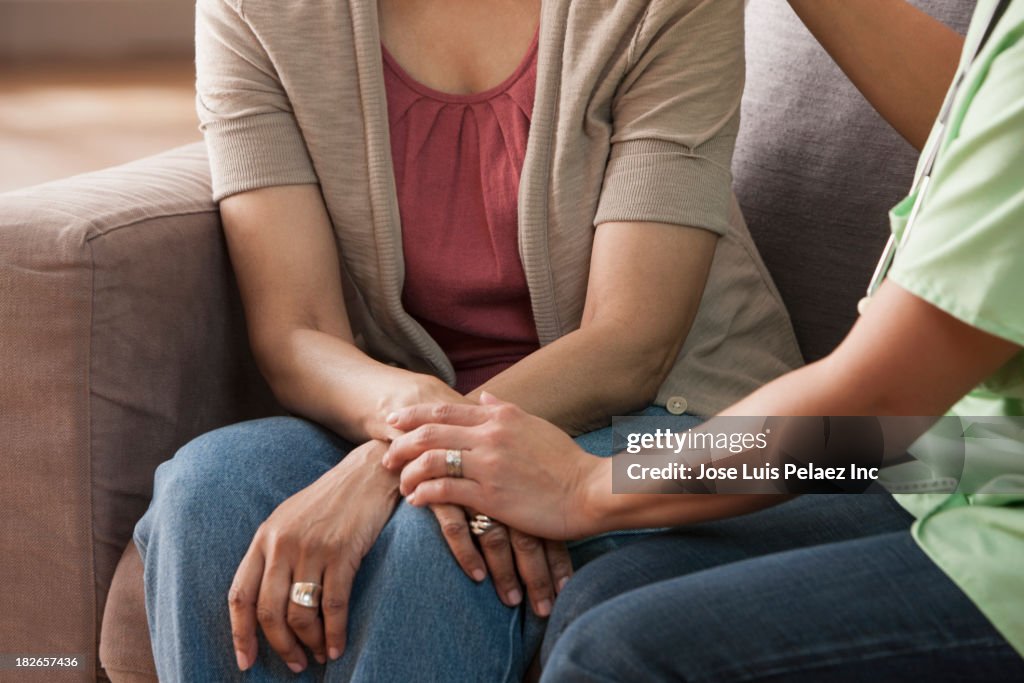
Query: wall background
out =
(87, 84)
(94, 29)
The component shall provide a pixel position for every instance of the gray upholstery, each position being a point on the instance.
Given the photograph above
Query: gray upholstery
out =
(817, 170)
(121, 335)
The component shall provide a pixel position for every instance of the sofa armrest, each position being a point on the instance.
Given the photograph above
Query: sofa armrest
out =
(121, 337)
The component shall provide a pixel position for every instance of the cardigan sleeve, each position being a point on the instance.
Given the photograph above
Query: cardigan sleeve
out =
(251, 134)
(675, 117)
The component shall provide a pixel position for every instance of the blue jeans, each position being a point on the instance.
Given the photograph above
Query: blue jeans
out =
(413, 615)
(823, 588)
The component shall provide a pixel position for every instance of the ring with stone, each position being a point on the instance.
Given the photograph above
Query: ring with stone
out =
(480, 524)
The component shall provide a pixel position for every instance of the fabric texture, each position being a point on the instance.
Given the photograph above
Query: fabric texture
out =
(125, 650)
(121, 339)
(414, 615)
(464, 281)
(813, 590)
(816, 170)
(966, 256)
(635, 117)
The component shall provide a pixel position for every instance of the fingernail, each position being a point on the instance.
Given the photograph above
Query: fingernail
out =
(334, 653)
(242, 659)
(392, 418)
(543, 608)
(514, 596)
(479, 575)
(411, 498)
(319, 657)
(561, 583)
(295, 667)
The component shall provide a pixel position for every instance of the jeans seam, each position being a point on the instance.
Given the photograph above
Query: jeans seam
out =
(512, 625)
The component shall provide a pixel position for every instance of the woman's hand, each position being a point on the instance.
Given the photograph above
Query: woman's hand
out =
(399, 389)
(511, 555)
(516, 467)
(543, 566)
(321, 535)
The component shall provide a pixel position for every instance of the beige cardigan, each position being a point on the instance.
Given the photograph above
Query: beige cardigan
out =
(635, 119)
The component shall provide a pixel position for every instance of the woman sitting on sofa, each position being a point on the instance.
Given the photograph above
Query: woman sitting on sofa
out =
(821, 588)
(422, 201)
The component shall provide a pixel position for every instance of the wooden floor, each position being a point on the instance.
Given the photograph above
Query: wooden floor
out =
(58, 120)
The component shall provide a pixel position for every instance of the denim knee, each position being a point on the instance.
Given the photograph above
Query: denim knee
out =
(586, 590)
(594, 647)
(236, 473)
(178, 494)
(416, 616)
(187, 488)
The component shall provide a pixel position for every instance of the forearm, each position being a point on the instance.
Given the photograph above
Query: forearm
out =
(822, 388)
(329, 380)
(615, 512)
(901, 59)
(580, 381)
(886, 367)
(631, 332)
(284, 254)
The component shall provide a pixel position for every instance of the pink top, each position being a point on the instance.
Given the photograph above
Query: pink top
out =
(457, 161)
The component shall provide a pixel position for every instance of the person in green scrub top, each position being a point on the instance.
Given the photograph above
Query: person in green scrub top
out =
(817, 588)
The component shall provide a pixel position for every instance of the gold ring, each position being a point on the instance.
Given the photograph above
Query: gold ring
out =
(453, 462)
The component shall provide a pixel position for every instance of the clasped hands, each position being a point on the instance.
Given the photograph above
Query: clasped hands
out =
(321, 535)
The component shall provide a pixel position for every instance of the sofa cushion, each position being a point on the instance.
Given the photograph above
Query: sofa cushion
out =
(816, 171)
(125, 651)
(121, 338)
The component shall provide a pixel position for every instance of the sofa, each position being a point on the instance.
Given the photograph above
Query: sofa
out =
(122, 337)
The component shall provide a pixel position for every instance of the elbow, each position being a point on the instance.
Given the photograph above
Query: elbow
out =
(856, 390)
(648, 380)
(659, 357)
(266, 354)
(633, 367)
(896, 403)
(642, 372)
(271, 354)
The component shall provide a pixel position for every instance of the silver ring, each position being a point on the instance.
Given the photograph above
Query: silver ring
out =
(481, 524)
(453, 462)
(306, 594)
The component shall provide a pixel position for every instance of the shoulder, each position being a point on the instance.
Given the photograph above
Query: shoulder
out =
(294, 14)
(297, 29)
(664, 14)
(657, 27)
(611, 29)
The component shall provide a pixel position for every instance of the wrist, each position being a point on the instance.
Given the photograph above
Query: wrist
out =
(367, 459)
(402, 389)
(597, 504)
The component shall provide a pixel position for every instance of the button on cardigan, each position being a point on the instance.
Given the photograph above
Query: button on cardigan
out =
(635, 119)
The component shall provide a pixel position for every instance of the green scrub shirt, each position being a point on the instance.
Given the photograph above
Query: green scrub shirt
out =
(966, 256)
